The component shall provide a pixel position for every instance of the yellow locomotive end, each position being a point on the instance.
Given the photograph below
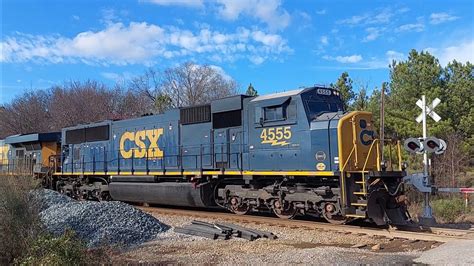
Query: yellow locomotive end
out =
(368, 190)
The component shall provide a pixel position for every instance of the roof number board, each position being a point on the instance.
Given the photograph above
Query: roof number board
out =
(323, 91)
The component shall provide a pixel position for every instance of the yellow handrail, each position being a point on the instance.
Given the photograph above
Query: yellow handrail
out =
(366, 161)
(343, 187)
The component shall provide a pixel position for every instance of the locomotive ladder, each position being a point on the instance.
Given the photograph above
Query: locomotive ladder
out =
(361, 204)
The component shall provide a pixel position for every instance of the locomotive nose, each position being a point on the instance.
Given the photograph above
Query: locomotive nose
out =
(385, 209)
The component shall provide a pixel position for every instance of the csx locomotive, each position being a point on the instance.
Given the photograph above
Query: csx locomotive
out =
(295, 152)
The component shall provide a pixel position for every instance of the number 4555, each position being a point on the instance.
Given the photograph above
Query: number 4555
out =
(276, 133)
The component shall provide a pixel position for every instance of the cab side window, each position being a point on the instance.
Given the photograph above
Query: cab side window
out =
(273, 113)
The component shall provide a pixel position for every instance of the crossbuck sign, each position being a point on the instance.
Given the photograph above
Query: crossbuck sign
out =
(429, 110)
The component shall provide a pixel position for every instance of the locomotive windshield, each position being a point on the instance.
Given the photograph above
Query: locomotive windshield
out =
(316, 108)
(321, 101)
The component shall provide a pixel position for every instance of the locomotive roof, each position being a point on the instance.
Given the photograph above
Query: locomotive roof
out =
(286, 93)
(278, 95)
(35, 137)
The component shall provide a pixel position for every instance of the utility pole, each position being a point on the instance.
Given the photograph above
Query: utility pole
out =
(382, 120)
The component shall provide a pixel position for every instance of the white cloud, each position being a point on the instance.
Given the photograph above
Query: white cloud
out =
(321, 12)
(394, 55)
(186, 3)
(382, 16)
(417, 27)
(269, 12)
(221, 71)
(76, 17)
(438, 18)
(143, 43)
(372, 33)
(349, 59)
(345, 59)
(461, 52)
(324, 40)
(403, 10)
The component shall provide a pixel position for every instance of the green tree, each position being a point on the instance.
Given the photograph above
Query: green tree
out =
(251, 91)
(361, 101)
(420, 75)
(459, 93)
(344, 86)
(162, 102)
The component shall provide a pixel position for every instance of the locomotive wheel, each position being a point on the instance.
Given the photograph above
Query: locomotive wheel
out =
(104, 196)
(238, 207)
(284, 211)
(330, 214)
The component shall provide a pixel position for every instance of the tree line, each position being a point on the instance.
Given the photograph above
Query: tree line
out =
(79, 102)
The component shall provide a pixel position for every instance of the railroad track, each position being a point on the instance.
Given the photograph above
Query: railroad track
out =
(412, 233)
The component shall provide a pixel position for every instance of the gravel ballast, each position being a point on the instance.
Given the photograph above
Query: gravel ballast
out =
(97, 223)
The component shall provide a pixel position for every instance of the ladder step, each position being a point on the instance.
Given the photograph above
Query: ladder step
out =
(362, 201)
(359, 204)
(359, 182)
(360, 193)
(355, 215)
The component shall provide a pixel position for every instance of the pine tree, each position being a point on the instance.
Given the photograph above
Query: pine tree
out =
(251, 91)
(344, 85)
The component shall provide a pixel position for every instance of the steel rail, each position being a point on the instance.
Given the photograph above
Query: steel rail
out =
(436, 234)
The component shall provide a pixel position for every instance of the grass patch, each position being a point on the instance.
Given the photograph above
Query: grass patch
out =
(449, 210)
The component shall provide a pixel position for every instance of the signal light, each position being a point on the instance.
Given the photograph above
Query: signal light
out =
(413, 145)
(430, 144)
(438, 146)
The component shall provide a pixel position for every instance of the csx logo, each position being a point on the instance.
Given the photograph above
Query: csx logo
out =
(143, 148)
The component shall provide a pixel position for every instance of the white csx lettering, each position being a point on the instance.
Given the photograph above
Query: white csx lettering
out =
(141, 150)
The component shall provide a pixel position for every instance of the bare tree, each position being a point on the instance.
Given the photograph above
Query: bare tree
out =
(448, 167)
(26, 114)
(184, 85)
(70, 104)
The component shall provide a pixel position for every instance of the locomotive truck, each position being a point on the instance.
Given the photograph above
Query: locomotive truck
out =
(295, 152)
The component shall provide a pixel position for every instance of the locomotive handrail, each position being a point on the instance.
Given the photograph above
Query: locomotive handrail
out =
(343, 185)
(80, 166)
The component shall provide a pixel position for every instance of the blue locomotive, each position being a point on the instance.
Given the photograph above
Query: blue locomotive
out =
(296, 152)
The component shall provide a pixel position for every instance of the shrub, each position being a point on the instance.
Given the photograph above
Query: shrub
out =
(448, 210)
(63, 250)
(23, 240)
(19, 216)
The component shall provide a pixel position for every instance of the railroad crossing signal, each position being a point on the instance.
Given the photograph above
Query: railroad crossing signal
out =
(438, 146)
(429, 110)
(413, 145)
(420, 145)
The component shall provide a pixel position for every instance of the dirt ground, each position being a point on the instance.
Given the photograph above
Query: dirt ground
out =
(294, 245)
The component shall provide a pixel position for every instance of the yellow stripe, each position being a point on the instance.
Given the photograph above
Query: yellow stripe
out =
(213, 172)
(297, 173)
(156, 173)
(280, 173)
(232, 173)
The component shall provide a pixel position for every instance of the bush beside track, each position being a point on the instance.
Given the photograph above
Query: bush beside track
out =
(23, 239)
(47, 228)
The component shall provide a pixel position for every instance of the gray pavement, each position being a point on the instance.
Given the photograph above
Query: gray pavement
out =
(459, 252)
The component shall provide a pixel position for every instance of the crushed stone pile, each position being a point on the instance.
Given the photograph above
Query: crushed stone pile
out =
(97, 223)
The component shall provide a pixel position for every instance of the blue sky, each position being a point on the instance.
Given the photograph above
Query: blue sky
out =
(275, 45)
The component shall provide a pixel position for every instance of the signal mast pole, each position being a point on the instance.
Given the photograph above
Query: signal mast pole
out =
(427, 213)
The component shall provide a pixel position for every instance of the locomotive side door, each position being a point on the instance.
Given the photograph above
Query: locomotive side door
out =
(221, 148)
(235, 148)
